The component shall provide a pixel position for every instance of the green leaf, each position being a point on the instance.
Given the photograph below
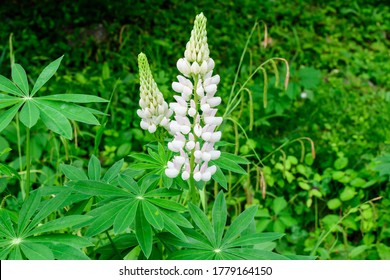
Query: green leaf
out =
(125, 217)
(200, 219)
(29, 114)
(128, 183)
(170, 225)
(254, 254)
(9, 87)
(5, 252)
(73, 98)
(20, 78)
(73, 173)
(66, 252)
(105, 217)
(55, 121)
(94, 168)
(7, 116)
(8, 171)
(97, 188)
(48, 207)
(340, 163)
(239, 224)
(167, 204)
(61, 223)
(28, 209)
(46, 74)
(6, 228)
(152, 215)
(229, 165)
(219, 214)
(347, 194)
(72, 112)
(163, 192)
(113, 172)
(71, 240)
(191, 254)
(334, 203)
(144, 158)
(35, 251)
(220, 178)
(235, 158)
(143, 233)
(279, 204)
(15, 254)
(255, 238)
(8, 100)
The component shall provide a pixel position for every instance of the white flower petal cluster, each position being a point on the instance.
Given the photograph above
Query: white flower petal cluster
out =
(154, 110)
(195, 110)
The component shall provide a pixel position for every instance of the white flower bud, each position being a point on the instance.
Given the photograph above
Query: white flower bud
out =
(206, 156)
(185, 175)
(215, 154)
(183, 66)
(178, 87)
(197, 176)
(213, 120)
(206, 136)
(211, 89)
(190, 145)
(195, 68)
(171, 172)
(191, 112)
(206, 176)
(214, 101)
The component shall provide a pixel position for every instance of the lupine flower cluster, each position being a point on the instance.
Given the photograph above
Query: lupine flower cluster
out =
(154, 110)
(195, 119)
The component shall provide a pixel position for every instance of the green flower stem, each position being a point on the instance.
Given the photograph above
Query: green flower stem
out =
(113, 245)
(28, 163)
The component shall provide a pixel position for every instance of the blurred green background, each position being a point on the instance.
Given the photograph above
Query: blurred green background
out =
(338, 96)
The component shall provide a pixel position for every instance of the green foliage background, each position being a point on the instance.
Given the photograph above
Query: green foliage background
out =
(338, 97)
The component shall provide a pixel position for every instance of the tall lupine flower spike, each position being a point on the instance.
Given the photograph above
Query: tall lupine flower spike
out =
(195, 111)
(154, 110)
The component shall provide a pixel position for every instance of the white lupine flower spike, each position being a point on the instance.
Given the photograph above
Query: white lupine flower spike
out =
(195, 111)
(154, 110)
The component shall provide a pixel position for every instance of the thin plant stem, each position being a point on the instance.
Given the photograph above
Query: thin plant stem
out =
(28, 163)
(20, 154)
(113, 245)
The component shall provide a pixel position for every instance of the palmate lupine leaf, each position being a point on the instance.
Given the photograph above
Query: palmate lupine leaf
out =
(55, 111)
(214, 242)
(29, 238)
(137, 205)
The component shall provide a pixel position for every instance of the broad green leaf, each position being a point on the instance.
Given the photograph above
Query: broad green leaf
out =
(133, 254)
(220, 178)
(72, 112)
(191, 254)
(94, 168)
(235, 158)
(61, 223)
(143, 233)
(178, 218)
(201, 220)
(15, 254)
(73, 98)
(29, 114)
(199, 242)
(97, 188)
(28, 209)
(239, 224)
(229, 165)
(105, 217)
(125, 217)
(9, 87)
(128, 183)
(48, 207)
(36, 251)
(55, 121)
(19, 77)
(279, 204)
(148, 183)
(163, 192)
(300, 257)
(170, 225)
(7, 116)
(71, 240)
(255, 238)
(144, 158)
(46, 74)
(254, 254)
(6, 228)
(167, 204)
(228, 256)
(8, 100)
(4, 252)
(8, 171)
(152, 215)
(347, 194)
(73, 173)
(113, 172)
(219, 214)
(334, 203)
(66, 252)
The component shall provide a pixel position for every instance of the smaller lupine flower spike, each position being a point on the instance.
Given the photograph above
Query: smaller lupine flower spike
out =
(154, 110)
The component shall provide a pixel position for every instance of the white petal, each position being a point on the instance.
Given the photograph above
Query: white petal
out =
(206, 176)
(206, 156)
(183, 66)
(191, 112)
(206, 136)
(216, 136)
(215, 155)
(178, 87)
(185, 175)
(171, 173)
(195, 68)
(197, 176)
(185, 129)
(190, 145)
(211, 89)
(212, 169)
(214, 101)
